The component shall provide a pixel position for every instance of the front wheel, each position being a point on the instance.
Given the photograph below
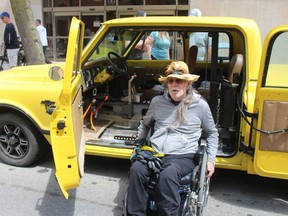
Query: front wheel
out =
(18, 143)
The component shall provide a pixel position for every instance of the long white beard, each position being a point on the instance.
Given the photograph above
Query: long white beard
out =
(181, 112)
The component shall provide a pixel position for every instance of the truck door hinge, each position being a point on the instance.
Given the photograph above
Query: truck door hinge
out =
(246, 149)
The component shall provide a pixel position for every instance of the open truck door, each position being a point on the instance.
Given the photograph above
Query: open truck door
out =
(67, 135)
(271, 103)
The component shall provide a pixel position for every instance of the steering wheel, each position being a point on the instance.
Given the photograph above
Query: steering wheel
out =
(117, 64)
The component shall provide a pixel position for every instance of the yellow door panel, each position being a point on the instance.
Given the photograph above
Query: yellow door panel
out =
(271, 147)
(67, 134)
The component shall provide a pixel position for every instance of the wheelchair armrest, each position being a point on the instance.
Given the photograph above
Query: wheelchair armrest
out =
(201, 149)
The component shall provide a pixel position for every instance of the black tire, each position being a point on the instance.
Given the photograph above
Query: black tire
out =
(18, 143)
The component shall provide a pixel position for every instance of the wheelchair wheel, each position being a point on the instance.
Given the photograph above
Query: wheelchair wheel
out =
(193, 203)
(124, 213)
(188, 205)
(203, 186)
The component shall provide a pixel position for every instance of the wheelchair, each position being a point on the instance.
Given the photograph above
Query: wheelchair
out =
(194, 189)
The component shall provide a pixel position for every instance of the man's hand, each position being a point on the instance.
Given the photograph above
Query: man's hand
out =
(210, 169)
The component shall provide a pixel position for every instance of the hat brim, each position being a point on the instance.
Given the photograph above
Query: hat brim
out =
(188, 77)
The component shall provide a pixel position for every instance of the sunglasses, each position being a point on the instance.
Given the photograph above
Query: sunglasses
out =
(178, 81)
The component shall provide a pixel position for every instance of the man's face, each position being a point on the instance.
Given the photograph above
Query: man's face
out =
(177, 88)
(5, 19)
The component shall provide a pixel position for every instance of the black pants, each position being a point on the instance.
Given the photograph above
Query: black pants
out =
(166, 192)
(44, 50)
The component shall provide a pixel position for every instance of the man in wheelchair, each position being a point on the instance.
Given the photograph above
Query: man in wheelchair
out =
(177, 118)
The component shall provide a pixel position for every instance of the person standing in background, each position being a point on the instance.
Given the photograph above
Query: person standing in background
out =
(200, 39)
(142, 48)
(160, 43)
(10, 40)
(87, 36)
(42, 34)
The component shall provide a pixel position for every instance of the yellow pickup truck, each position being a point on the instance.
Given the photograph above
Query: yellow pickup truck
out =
(92, 102)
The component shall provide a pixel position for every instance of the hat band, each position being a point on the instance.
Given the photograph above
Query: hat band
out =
(177, 72)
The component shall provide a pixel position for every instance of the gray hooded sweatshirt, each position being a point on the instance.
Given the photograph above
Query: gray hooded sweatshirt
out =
(173, 137)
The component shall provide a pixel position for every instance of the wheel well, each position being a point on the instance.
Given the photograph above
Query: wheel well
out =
(38, 133)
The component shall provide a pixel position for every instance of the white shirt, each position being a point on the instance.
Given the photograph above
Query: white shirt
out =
(202, 41)
(43, 35)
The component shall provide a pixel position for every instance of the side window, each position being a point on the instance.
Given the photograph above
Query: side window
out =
(203, 42)
(158, 45)
(277, 65)
(176, 47)
(223, 46)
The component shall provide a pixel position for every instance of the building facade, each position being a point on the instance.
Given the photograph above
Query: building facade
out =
(58, 14)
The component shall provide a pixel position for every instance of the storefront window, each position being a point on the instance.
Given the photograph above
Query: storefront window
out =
(92, 3)
(111, 15)
(47, 23)
(130, 2)
(160, 2)
(92, 24)
(61, 47)
(47, 3)
(182, 13)
(66, 3)
(57, 22)
(110, 2)
(62, 25)
(183, 2)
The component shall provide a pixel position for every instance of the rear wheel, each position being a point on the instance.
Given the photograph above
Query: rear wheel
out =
(203, 186)
(188, 206)
(194, 202)
(18, 143)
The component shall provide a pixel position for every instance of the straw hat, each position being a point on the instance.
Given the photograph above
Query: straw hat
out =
(178, 70)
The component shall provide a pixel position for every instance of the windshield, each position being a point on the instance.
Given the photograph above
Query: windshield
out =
(115, 40)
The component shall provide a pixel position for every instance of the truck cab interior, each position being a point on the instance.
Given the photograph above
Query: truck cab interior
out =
(221, 83)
